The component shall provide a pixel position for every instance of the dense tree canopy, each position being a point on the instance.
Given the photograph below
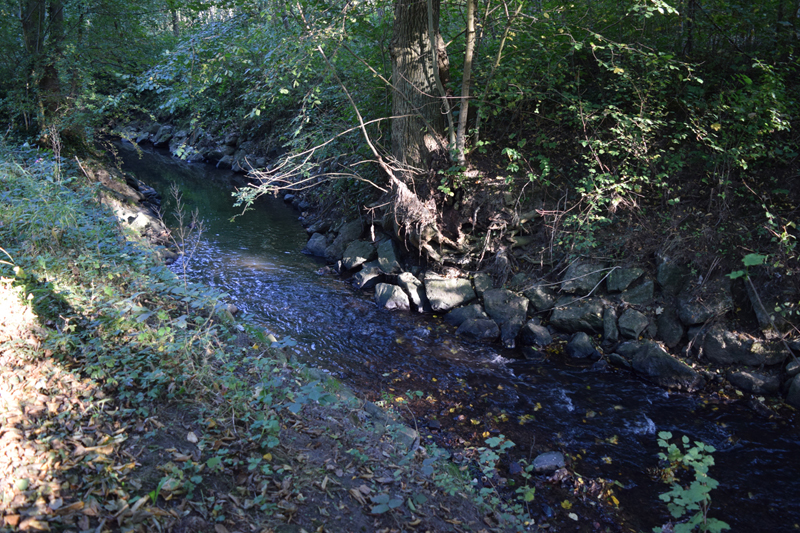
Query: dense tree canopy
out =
(617, 101)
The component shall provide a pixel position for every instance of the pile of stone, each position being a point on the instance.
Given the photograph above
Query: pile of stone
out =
(629, 316)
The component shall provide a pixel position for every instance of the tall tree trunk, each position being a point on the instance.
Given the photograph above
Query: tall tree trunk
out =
(50, 85)
(418, 120)
(461, 136)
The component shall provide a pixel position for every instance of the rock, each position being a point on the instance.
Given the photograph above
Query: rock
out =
(793, 397)
(289, 198)
(225, 162)
(618, 361)
(726, 347)
(641, 294)
(369, 276)
(483, 282)
(316, 245)
(458, 316)
(509, 310)
(764, 316)
(670, 328)
(445, 294)
(549, 462)
(416, 291)
(670, 276)
(582, 315)
(391, 297)
(628, 349)
(387, 257)
(754, 382)
(347, 234)
(610, 331)
(793, 368)
(714, 300)
(664, 370)
(231, 138)
(580, 346)
(533, 334)
(320, 226)
(582, 277)
(357, 253)
(540, 296)
(518, 280)
(162, 137)
(479, 329)
(619, 279)
(632, 323)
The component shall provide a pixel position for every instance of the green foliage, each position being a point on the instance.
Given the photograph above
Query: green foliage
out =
(694, 498)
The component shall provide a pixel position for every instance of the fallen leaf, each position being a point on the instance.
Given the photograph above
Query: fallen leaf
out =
(11, 520)
(191, 437)
(219, 528)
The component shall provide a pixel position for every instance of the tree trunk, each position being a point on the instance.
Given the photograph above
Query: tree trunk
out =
(461, 136)
(418, 120)
(50, 85)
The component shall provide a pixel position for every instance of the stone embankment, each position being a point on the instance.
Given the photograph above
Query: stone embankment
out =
(675, 329)
(655, 320)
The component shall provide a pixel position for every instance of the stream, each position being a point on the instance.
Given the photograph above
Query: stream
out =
(608, 420)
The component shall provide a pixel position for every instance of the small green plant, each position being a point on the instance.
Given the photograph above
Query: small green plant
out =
(748, 261)
(695, 498)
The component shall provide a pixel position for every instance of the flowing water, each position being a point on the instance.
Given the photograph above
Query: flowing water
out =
(608, 418)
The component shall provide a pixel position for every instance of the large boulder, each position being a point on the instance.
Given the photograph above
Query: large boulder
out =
(726, 347)
(162, 137)
(391, 297)
(415, 290)
(316, 245)
(509, 310)
(582, 278)
(540, 296)
(641, 294)
(671, 276)
(755, 382)
(357, 253)
(670, 328)
(369, 276)
(483, 282)
(661, 368)
(445, 294)
(347, 234)
(479, 329)
(713, 300)
(580, 346)
(534, 334)
(388, 257)
(632, 323)
(459, 315)
(620, 278)
(581, 315)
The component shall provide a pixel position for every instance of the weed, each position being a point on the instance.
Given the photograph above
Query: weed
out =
(695, 498)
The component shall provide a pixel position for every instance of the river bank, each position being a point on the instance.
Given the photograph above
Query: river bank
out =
(656, 316)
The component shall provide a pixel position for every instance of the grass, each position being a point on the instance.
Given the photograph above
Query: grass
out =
(128, 404)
